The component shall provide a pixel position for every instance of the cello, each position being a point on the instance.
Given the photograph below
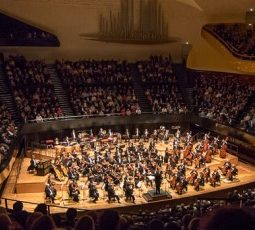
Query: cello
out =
(208, 156)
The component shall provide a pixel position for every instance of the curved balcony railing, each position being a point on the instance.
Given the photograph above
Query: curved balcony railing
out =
(231, 48)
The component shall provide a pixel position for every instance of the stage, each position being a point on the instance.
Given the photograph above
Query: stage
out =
(30, 188)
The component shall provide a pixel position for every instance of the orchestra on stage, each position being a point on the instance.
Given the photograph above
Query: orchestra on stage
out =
(107, 160)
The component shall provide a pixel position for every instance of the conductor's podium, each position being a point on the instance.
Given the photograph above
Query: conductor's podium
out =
(151, 196)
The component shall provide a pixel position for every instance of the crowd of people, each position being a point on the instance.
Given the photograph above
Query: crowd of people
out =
(99, 87)
(248, 121)
(8, 131)
(202, 214)
(220, 97)
(240, 38)
(160, 85)
(32, 89)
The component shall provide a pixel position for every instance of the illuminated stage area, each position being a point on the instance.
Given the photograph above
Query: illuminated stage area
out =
(30, 187)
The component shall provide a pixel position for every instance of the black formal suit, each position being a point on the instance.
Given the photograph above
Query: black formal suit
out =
(158, 180)
(32, 166)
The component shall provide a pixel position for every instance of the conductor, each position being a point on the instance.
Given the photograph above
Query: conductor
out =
(158, 180)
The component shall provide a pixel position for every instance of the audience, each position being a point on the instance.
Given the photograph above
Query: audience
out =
(160, 85)
(248, 121)
(239, 37)
(220, 97)
(8, 131)
(32, 89)
(99, 87)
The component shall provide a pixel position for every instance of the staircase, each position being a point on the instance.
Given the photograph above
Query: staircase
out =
(60, 91)
(6, 96)
(182, 79)
(139, 90)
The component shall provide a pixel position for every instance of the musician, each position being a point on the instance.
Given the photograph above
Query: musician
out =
(167, 155)
(129, 192)
(146, 134)
(234, 170)
(182, 169)
(158, 180)
(137, 133)
(73, 174)
(101, 132)
(176, 144)
(227, 165)
(50, 191)
(33, 165)
(202, 179)
(215, 177)
(178, 134)
(74, 191)
(111, 194)
(93, 193)
(188, 137)
(197, 184)
(207, 173)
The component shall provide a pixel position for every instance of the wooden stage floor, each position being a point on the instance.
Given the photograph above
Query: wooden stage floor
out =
(246, 176)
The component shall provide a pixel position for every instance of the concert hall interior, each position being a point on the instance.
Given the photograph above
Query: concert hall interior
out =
(127, 114)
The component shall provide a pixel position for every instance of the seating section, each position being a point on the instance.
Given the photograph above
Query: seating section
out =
(17, 33)
(220, 97)
(99, 87)
(8, 131)
(32, 89)
(160, 85)
(238, 37)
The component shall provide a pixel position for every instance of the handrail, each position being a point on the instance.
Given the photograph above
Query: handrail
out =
(21, 157)
(228, 46)
(34, 203)
(94, 116)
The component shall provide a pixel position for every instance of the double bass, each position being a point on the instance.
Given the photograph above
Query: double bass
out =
(208, 156)
(223, 149)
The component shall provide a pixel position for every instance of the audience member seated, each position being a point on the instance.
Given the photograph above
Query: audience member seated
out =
(160, 85)
(220, 97)
(8, 132)
(33, 90)
(99, 87)
(239, 37)
(94, 73)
